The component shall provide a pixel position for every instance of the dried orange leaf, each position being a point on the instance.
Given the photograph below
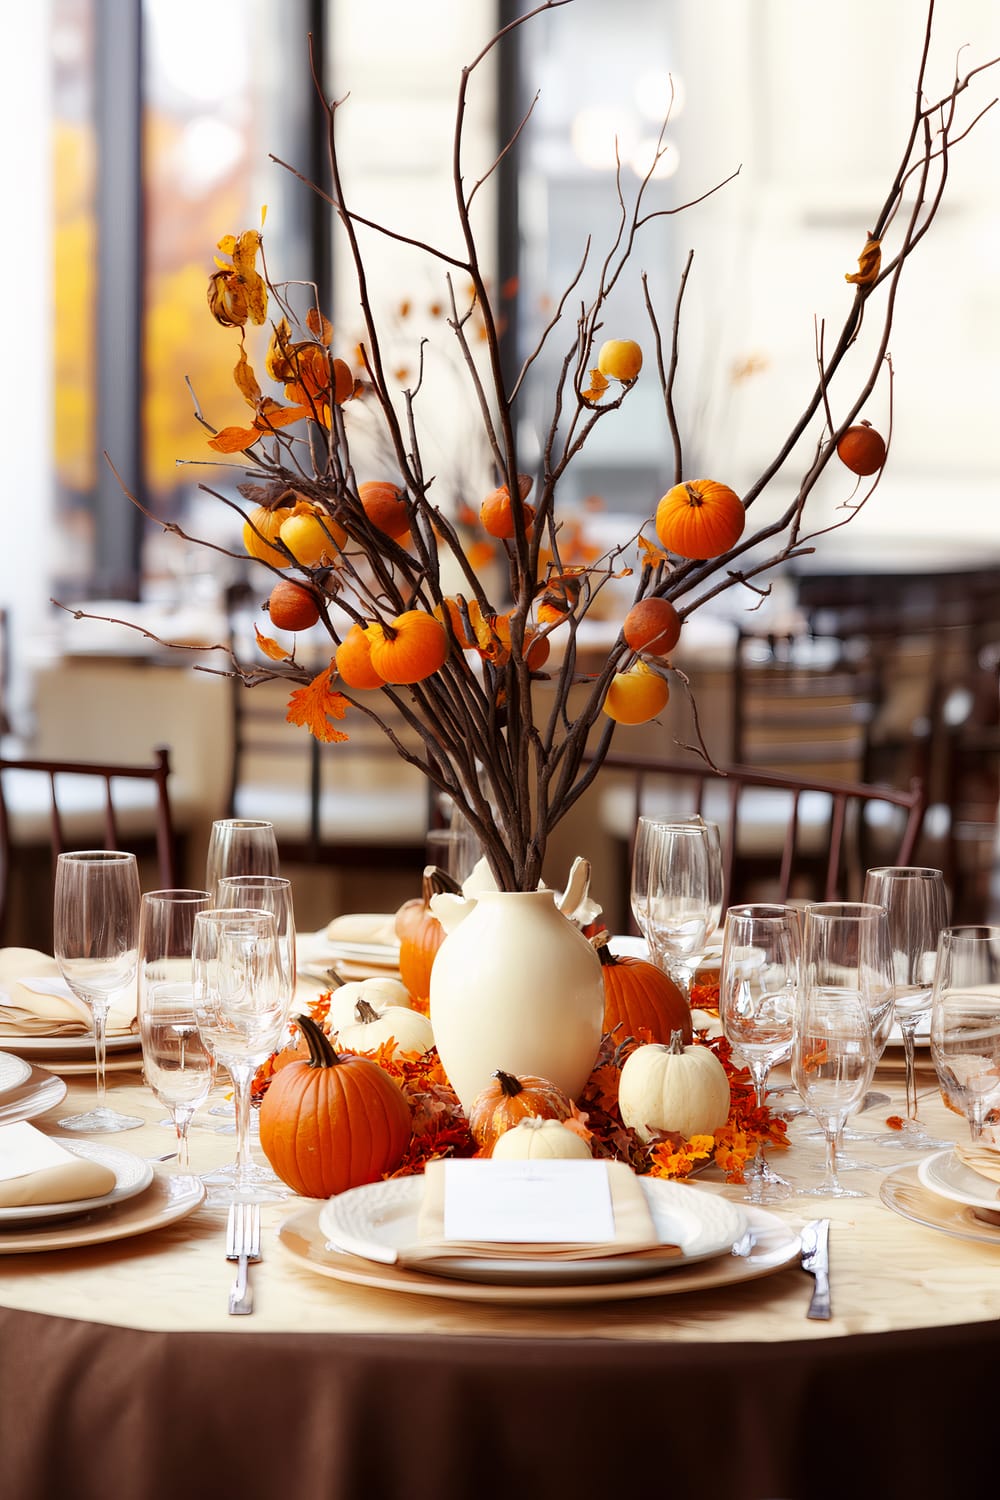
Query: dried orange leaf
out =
(246, 380)
(598, 385)
(320, 326)
(234, 439)
(652, 557)
(312, 707)
(869, 264)
(227, 245)
(278, 362)
(270, 415)
(269, 647)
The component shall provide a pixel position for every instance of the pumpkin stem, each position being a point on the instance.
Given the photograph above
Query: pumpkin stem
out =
(676, 1042)
(600, 942)
(694, 499)
(365, 1012)
(321, 1053)
(437, 882)
(510, 1086)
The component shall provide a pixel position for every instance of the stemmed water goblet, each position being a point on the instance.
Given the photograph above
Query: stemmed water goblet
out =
(239, 846)
(965, 1021)
(95, 940)
(832, 1064)
(678, 898)
(177, 1065)
(916, 904)
(242, 1001)
(759, 981)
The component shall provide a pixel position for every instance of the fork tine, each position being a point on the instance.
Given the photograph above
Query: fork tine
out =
(253, 1231)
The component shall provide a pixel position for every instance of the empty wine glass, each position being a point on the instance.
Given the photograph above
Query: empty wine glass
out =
(177, 1065)
(965, 1021)
(241, 1001)
(832, 1064)
(271, 893)
(95, 938)
(758, 987)
(240, 846)
(916, 904)
(678, 898)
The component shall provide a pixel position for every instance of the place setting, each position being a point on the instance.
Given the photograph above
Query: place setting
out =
(42, 1020)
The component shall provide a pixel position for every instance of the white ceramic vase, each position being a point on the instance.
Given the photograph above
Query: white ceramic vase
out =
(515, 986)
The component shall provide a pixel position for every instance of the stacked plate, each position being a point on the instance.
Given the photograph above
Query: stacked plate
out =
(26, 1090)
(944, 1192)
(708, 1241)
(75, 1054)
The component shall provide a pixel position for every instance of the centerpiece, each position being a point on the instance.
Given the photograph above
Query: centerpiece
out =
(370, 554)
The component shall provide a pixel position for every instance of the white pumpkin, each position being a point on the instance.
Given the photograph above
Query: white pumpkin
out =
(373, 1027)
(379, 993)
(533, 1137)
(673, 1087)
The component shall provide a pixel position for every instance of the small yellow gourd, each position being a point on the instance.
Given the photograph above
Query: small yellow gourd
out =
(536, 1138)
(675, 1088)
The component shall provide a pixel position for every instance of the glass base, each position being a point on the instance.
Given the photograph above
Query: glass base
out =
(830, 1190)
(100, 1122)
(257, 1185)
(763, 1185)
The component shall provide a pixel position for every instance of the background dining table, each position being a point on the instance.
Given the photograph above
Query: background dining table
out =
(122, 1373)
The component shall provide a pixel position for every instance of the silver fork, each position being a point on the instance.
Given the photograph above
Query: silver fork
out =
(243, 1246)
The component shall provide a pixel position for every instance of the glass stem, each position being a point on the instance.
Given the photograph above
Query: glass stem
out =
(976, 1113)
(758, 1073)
(908, 1028)
(832, 1144)
(242, 1077)
(100, 1012)
(182, 1121)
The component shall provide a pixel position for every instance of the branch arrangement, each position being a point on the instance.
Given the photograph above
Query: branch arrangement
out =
(461, 672)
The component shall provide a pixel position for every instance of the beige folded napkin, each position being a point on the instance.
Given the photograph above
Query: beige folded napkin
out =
(35, 1000)
(634, 1237)
(363, 927)
(35, 1169)
(981, 1157)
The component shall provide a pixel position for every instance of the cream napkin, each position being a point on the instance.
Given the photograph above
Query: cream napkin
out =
(980, 1157)
(36, 1169)
(634, 1238)
(35, 1000)
(363, 927)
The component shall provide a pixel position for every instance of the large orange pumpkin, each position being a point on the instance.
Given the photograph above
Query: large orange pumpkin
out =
(421, 934)
(413, 646)
(700, 519)
(640, 997)
(332, 1123)
(506, 1100)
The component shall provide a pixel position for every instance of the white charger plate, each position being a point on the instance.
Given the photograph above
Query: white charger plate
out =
(14, 1072)
(771, 1246)
(41, 1091)
(68, 1048)
(946, 1174)
(133, 1175)
(379, 1219)
(903, 1192)
(170, 1197)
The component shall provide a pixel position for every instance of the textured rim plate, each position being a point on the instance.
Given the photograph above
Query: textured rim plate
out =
(40, 1092)
(946, 1174)
(903, 1192)
(775, 1246)
(132, 1176)
(167, 1199)
(377, 1220)
(68, 1048)
(14, 1072)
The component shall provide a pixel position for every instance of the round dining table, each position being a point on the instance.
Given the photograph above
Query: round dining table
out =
(122, 1372)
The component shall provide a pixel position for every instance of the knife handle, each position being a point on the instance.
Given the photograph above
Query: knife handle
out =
(819, 1307)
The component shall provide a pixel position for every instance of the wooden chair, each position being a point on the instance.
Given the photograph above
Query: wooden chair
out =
(49, 806)
(783, 837)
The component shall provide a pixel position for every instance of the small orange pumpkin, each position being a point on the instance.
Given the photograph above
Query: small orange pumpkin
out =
(260, 528)
(385, 506)
(700, 518)
(640, 997)
(421, 934)
(497, 512)
(292, 607)
(862, 449)
(653, 626)
(354, 660)
(413, 646)
(332, 1123)
(507, 1100)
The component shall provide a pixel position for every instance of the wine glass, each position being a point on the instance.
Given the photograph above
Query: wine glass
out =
(678, 898)
(758, 986)
(240, 846)
(241, 999)
(178, 1067)
(95, 938)
(965, 1021)
(832, 1062)
(271, 893)
(916, 903)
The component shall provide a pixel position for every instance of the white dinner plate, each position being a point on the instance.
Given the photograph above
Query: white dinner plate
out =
(68, 1048)
(41, 1091)
(169, 1197)
(903, 1192)
(770, 1246)
(378, 1220)
(133, 1175)
(921, 1037)
(14, 1072)
(946, 1174)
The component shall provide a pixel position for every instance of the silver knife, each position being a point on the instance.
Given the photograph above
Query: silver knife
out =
(816, 1260)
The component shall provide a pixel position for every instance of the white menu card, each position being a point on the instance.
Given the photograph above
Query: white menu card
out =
(514, 1202)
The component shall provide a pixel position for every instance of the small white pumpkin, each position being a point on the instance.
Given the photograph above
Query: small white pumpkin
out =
(533, 1137)
(379, 993)
(673, 1087)
(371, 1028)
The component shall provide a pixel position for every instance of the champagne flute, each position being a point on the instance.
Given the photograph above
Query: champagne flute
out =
(758, 987)
(178, 1067)
(916, 903)
(965, 1021)
(678, 899)
(832, 1062)
(240, 846)
(241, 1002)
(95, 938)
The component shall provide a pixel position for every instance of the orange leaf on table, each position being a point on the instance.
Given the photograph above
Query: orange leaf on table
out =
(314, 705)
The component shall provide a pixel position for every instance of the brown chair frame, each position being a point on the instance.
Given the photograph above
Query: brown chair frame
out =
(158, 773)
